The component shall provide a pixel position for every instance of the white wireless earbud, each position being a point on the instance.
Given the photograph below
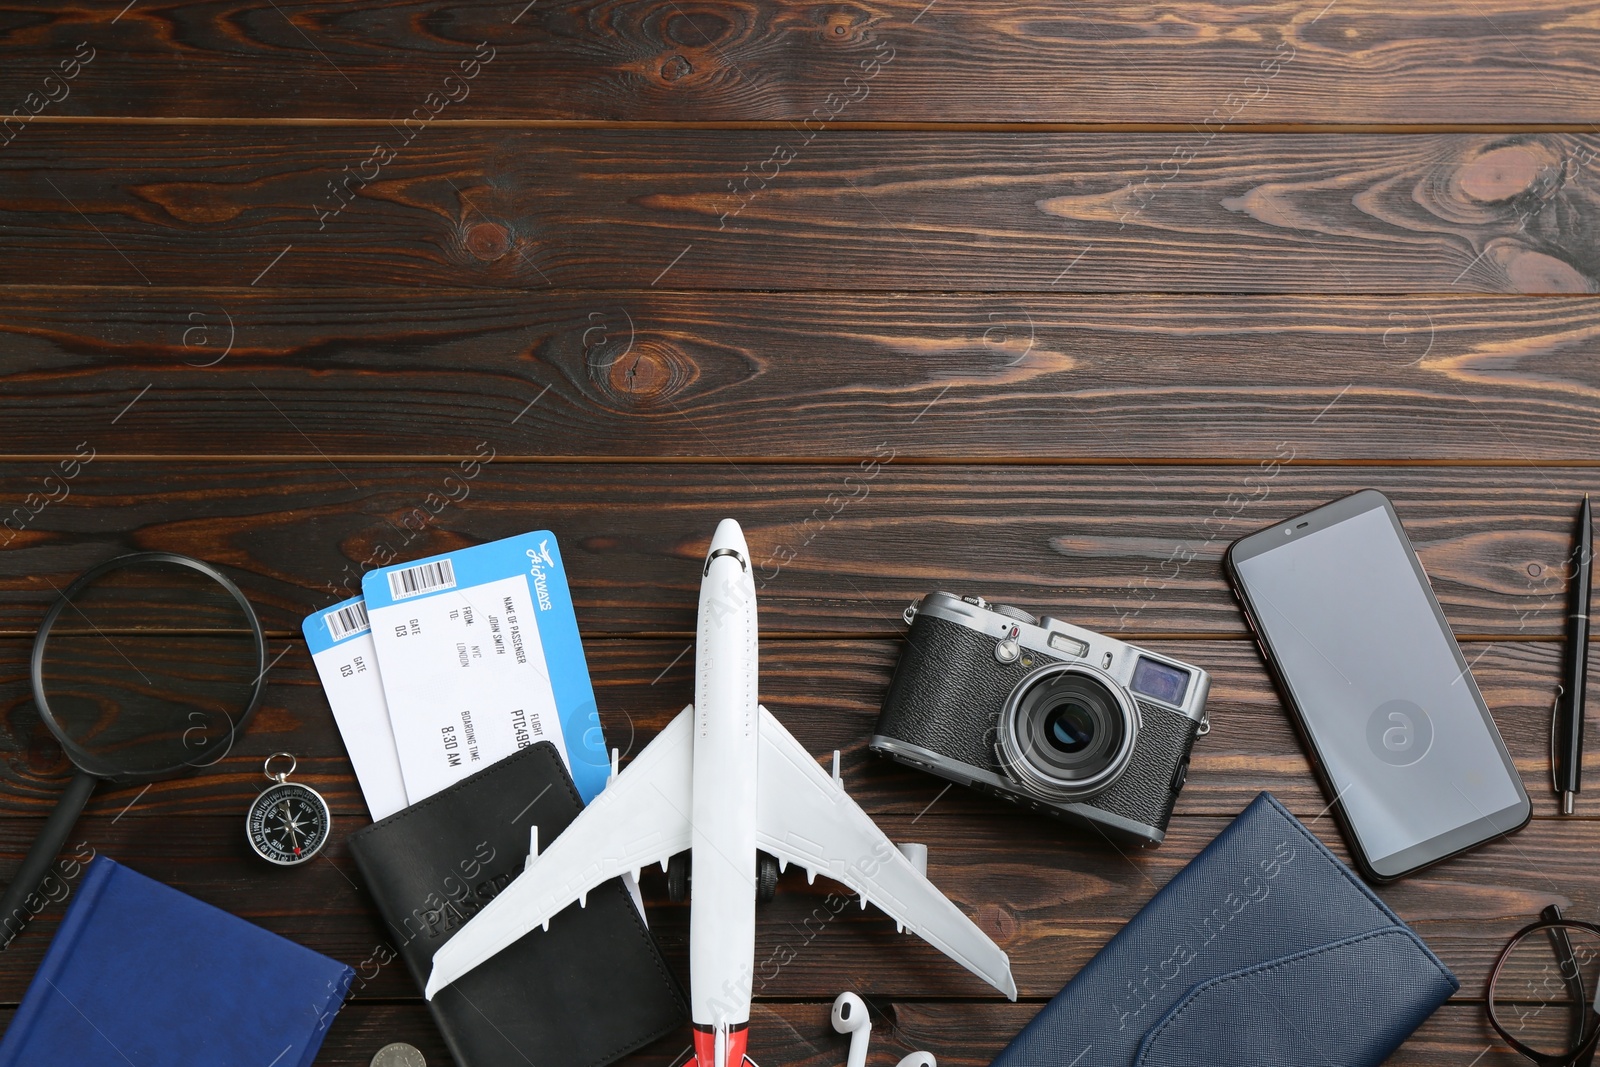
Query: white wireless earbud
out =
(850, 1017)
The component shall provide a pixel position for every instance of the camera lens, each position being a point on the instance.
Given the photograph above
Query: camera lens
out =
(1069, 728)
(1066, 732)
(1071, 723)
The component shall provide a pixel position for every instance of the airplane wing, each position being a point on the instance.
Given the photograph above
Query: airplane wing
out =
(641, 817)
(804, 816)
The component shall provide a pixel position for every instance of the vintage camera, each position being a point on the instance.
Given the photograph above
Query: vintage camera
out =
(1044, 714)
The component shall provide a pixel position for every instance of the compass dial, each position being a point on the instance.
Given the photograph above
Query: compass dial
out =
(288, 824)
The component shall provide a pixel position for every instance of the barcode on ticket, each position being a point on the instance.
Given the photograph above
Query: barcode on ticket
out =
(423, 578)
(351, 619)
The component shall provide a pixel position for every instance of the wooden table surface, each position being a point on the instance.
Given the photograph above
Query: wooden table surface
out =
(1043, 301)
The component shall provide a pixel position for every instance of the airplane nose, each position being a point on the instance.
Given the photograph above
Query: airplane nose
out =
(728, 541)
(729, 535)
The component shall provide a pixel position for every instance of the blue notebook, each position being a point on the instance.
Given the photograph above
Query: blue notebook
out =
(142, 974)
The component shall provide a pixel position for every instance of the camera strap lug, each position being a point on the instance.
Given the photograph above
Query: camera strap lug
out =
(910, 612)
(1205, 726)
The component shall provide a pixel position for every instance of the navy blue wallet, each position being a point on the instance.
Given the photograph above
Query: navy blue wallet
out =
(1265, 949)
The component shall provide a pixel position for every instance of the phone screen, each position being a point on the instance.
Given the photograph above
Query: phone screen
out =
(1399, 726)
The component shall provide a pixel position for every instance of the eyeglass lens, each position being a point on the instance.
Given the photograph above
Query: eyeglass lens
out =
(1544, 994)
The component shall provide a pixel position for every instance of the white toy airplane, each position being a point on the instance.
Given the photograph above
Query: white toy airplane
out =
(723, 780)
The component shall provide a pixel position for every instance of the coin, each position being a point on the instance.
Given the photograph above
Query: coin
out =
(399, 1054)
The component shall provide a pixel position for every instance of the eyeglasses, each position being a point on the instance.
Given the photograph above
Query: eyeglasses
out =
(1544, 991)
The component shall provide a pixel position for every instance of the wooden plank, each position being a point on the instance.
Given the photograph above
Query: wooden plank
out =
(959, 1034)
(491, 208)
(715, 375)
(1096, 62)
(973, 1034)
(1049, 897)
(841, 549)
(827, 692)
(362, 1028)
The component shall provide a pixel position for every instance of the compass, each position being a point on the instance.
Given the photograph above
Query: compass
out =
(289, 822)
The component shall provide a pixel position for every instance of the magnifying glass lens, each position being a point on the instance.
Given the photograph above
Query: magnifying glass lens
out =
(148, 669)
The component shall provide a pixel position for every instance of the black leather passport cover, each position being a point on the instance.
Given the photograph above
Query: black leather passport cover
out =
(583, 993)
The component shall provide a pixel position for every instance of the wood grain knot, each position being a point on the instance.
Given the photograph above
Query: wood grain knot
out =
(675, 67)
(199, 202)
(685, 42)
(1495, 181)
(648, 373)
(488, 241)
(839, 28)
(708, 26)
(1506, 264)
(1502, 173)
(1535, 272)
(997, 921)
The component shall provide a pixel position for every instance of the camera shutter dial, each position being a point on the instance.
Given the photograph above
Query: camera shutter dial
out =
(1014, 613)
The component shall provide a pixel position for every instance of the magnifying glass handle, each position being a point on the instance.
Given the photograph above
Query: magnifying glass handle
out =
(14, 909)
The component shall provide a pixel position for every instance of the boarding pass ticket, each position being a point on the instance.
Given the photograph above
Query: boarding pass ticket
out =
(340, 640)
(479, 655)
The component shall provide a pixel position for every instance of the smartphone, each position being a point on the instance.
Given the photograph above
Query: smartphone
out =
(1393, 723)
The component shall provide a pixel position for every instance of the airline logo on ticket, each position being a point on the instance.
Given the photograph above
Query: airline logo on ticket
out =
(480, 656)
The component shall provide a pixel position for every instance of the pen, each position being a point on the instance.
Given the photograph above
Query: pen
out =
(1566, 730)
